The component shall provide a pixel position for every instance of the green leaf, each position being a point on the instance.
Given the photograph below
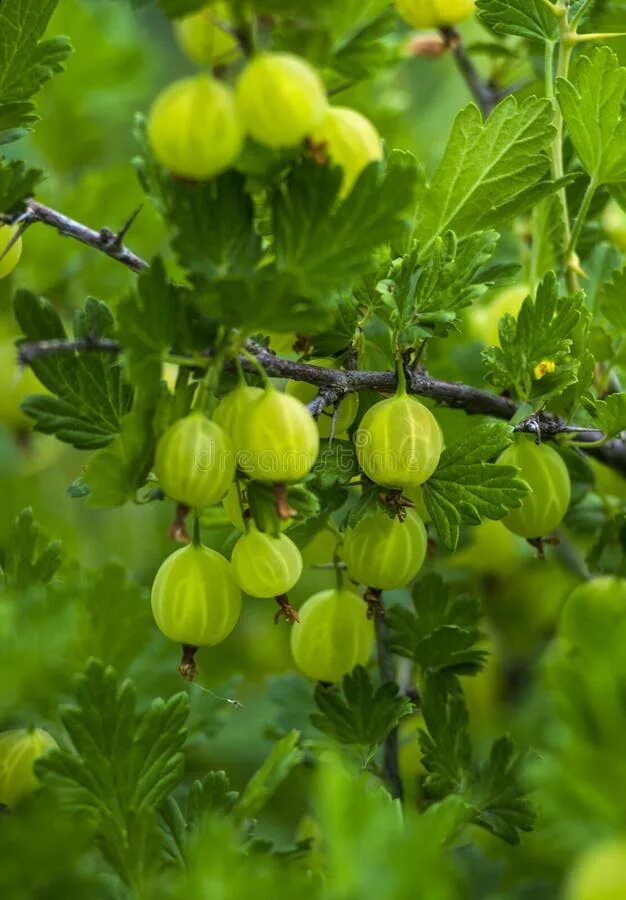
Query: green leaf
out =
(263, 502)
(210, 795)
(26, 62)
(425, 298)
(611, 300)
(544, 332)
(358, 714)
(176, 8)
(592, 105)
(322, 245)
(284, 756)
(530, 19)
(467, 487)
(123, 764)
(610, 415)
(17, 183)
(440, 632)
(336, 465)
(493, 791)
(88, 396)
(26, 562)
(490, 172)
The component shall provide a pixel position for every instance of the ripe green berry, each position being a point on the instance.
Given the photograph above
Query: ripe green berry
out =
(201, 37)
(593, 611)
(18, 751)
(276, 438)
(11, 259)
(333, 635)
(348, 408)
(280, 99)
(399, 442)
(600, 873)
(350, 140)
(193, 128)
(435, 13)
(614, 223)
(385, 553)
(232, 406)
(195, 461)
(546, 474)
(266, 566)
(16, 385)
(195, 598)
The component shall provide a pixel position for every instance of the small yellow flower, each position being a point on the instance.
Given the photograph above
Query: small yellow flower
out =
(545, 367)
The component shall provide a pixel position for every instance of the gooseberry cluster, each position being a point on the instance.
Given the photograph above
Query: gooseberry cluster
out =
(198, 125)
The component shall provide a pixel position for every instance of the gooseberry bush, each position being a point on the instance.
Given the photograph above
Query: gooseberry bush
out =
(312, 449)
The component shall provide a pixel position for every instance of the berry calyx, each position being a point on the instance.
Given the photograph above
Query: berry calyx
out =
(350, 140)
(195, 461)
(195, 598)
(276, 438)
(193, 128)
(435, 13)
(202, 38)
(399, 442)
(266, 566)
(546, 474)
(12, 256)
(280, 99)
(383, 552)
(18, 751)
(333, 635)
(348, 407)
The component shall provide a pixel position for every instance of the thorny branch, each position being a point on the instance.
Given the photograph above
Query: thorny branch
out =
(333, 383)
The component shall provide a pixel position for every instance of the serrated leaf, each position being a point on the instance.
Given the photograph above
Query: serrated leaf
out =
(543, 333)
(530, 19)
(613, 300)
(88, 395)
(284, 756)
(17, 182)
(467, 487)
(26, 562)
(592, 106)
(490, 171)
(440, 632)
(360, 715)
(610, 415)
(26, 62)
(122, 765)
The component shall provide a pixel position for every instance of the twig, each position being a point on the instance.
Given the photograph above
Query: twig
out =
(485, 94)
(105, 240)
(391, 766)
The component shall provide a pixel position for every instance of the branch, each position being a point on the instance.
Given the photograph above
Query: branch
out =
(484, 93)
(105, 240)
(335, 383)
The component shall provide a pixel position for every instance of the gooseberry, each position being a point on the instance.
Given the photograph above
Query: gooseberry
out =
(485, 319)
(280, 99)
(16, 385)
(194, 461)
(614, 223)
(594, 610)
(435, 13)
(276, 438)
(333, 635)
(11, 258)
(18, 751)
(600, 872)
(546, 474)
(399, 442)
(232, 406)
(384, 552)
(350, 140)
(201, 37)
(491, 548)
(195, 598)
(266, 566)
(193, 128)
(348, 407)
